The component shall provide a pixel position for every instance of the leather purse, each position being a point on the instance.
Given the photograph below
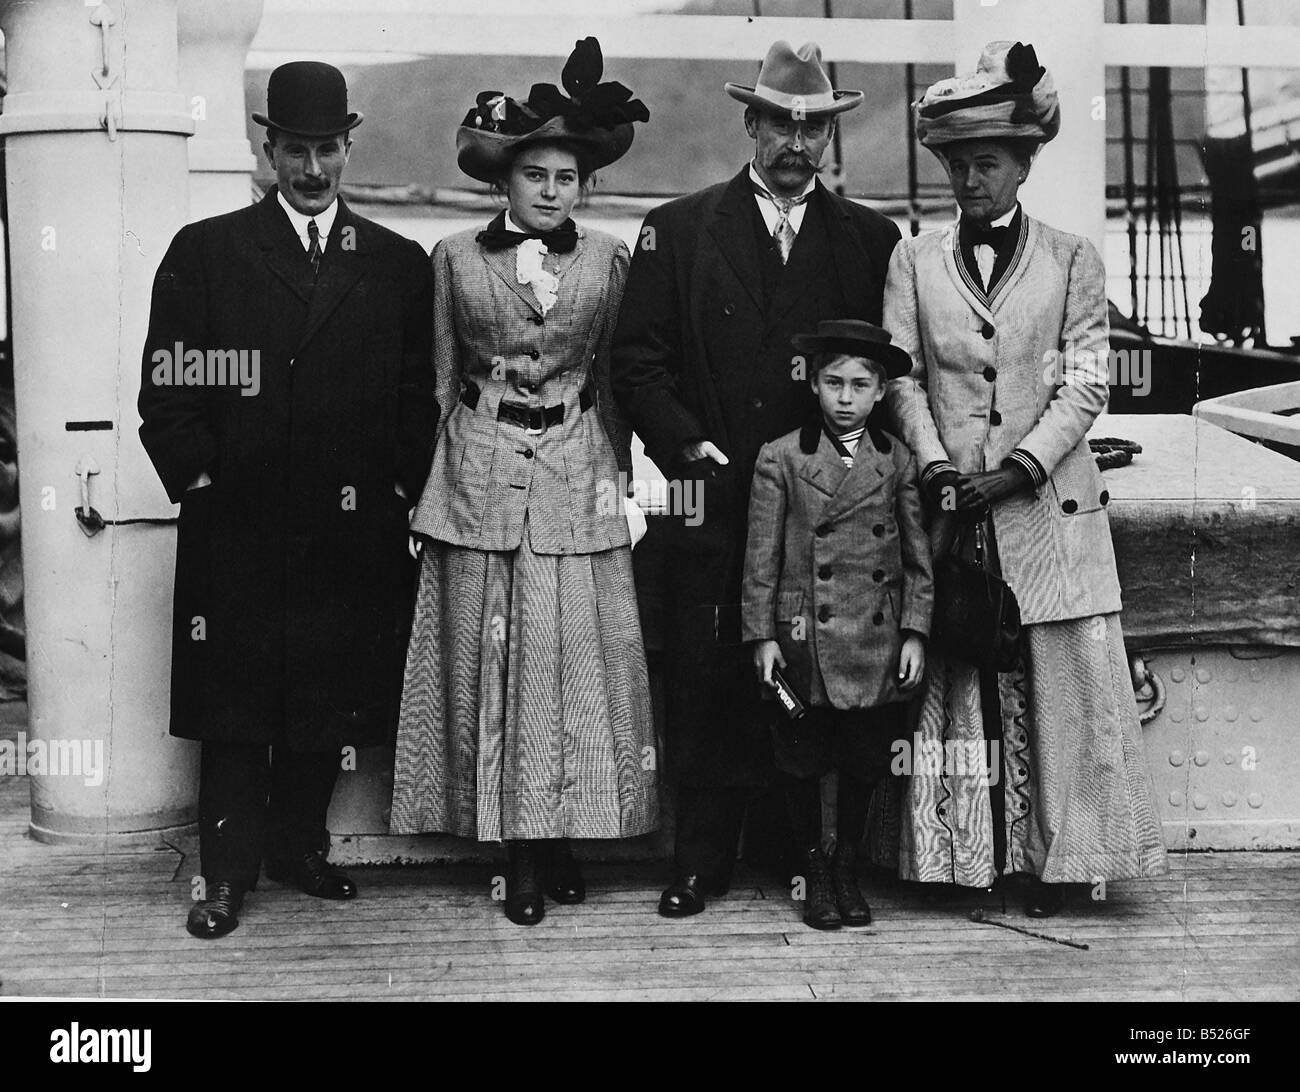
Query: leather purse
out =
(976, 616)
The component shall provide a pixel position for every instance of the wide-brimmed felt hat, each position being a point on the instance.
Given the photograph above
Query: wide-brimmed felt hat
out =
(794, 83)
(1009, 95)
(309, 98)
(598, 116)
(855, 337)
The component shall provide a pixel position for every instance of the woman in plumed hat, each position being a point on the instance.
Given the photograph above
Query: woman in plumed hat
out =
(1005, 319)
(526, 714)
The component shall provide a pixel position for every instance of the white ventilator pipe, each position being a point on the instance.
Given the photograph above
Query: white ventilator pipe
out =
(94, 129)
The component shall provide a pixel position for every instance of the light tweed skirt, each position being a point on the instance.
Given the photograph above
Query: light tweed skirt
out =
(1079, 804)
(526, 708)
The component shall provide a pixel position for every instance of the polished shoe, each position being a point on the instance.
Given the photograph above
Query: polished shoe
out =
(564, 882)
(311, 873)
(1043, 900)
(524, 902)
(685, 895)
(853, 908)
(216, 916)
(819, 909)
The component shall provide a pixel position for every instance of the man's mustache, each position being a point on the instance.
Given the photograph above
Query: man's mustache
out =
(793, 159)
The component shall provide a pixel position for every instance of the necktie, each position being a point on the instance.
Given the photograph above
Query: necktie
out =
(313, 247)
(783, 233)
(560, 241)
(978, 238)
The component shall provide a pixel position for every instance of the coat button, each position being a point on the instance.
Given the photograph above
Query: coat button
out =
(757, 403)
(537, 320)
(531, 388)
(823, 614)
(728, 308)
(823, 529)
(995, 418)
(878, 530)
(987, 331)
(1105, 497)
(528, 453)
(1069, 506)
(534, 354)
(877, 618)
(824, 573)
(878, 575)
(990, 373)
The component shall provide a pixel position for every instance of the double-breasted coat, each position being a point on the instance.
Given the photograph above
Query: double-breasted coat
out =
(702, 351)
(495, 344)
(837, 564)
(293, 581)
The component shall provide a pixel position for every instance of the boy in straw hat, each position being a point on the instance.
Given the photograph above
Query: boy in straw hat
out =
(702, 366)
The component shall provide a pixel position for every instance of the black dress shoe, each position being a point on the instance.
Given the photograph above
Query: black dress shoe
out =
(524, 902)
(683, 897)
(216, 916)
(564, 882)
(1043, 900)
(311, 873)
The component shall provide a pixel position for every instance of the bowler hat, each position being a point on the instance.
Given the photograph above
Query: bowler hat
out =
(309, 98)
(853, 337)
(795, 84)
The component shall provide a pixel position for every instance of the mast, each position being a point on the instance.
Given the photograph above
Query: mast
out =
(913, 185)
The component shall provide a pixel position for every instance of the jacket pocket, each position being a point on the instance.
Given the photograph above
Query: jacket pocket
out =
(1076, 486)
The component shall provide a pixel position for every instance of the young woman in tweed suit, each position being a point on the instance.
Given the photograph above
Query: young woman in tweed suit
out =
(1005, 319)
(526, 715)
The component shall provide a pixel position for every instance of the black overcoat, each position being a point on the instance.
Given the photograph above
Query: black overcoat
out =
(293, 581)
(702, 351)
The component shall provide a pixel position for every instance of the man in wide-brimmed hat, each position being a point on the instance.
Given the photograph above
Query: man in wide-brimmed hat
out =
(292, 577)
(704, 368)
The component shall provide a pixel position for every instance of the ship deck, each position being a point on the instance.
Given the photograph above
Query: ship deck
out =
(85, 922)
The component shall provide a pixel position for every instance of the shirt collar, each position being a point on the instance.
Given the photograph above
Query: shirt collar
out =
(758, 181)
(324, 220)
(1006, 217)
(513, 225)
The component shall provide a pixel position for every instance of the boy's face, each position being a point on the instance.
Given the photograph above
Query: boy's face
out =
(848, 389)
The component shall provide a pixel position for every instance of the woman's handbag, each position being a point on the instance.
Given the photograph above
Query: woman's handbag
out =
(976, 616)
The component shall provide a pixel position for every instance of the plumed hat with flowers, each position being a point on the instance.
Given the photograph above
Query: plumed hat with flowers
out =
(1008, 95)
(598, 116)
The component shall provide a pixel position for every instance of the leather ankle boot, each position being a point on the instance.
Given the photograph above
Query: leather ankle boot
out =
(524, 902)
(564, 882)
(819, 909)
(852, 906)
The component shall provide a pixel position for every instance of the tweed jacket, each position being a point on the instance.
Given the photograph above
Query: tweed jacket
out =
(837, 563)
(491, 337)
(1026, 370)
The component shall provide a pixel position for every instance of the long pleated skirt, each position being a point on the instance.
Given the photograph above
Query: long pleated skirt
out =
(526, 710)
(1076, 794)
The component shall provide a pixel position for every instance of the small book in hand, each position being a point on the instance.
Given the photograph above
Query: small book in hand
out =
(787, 695)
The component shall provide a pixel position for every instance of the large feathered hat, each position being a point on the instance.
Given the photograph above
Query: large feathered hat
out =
(1008, 95)
(599, 116)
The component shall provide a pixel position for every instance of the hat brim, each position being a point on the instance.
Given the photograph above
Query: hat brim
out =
(486, 156)
(896, 361)
(353, 120)
(809, 106)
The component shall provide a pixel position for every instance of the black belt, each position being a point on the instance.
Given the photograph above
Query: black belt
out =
(535, 420)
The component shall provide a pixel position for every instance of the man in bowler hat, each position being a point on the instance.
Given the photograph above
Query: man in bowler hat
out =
(704, 369)
(293, 582)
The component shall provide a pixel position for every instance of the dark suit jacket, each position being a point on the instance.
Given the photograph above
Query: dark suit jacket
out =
(293, 583)
(702, 351)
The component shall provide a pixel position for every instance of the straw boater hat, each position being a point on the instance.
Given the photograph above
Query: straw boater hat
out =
(309, 98)
(596, 115)
(856, 338)
(790, 81)
(1009, 95)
